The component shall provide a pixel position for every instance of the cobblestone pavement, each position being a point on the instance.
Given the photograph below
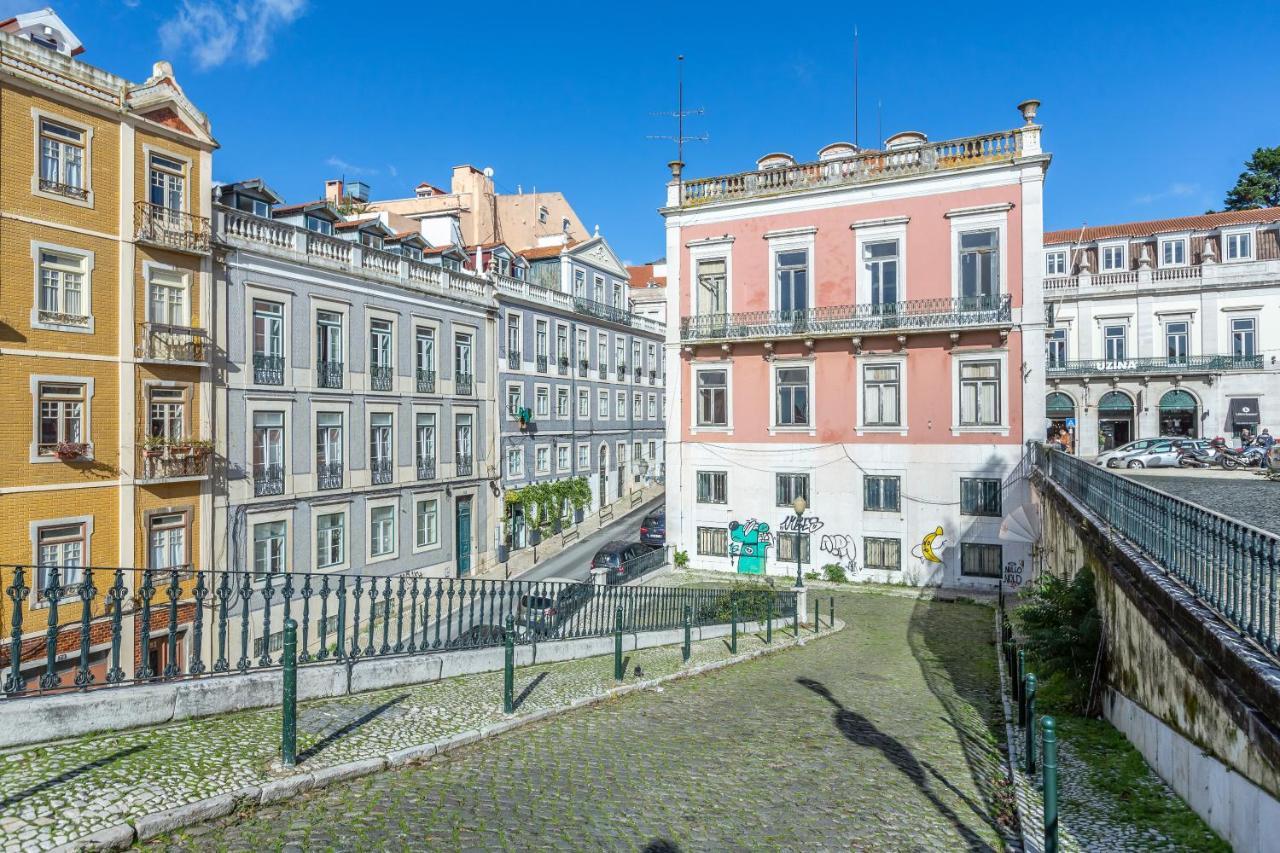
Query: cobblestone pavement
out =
(1244, 496)
(880, 737)
(52, 794)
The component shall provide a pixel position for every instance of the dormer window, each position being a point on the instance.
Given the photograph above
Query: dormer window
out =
(1055, 263)
(1113, 258)
(320, 226)
(413, 253)
(1239, 246)
(504, 266)
(1173, 253)
(260, 208)
(373, 241)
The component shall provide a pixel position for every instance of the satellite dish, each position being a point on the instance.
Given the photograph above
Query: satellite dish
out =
(488, 171)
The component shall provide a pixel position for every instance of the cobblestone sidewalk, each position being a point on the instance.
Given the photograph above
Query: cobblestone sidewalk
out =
(53, 794)
(882, 736)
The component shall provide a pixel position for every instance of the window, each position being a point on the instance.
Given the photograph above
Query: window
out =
(540, 339)
(597, 286)
(562, 403)
(1055, 348)
(584, 403)
(787, 547)
(258, 207)
(635, 355)
(881, 261)
(515, 462)
(584, 456)
(331, 539)
(513, 341)
(791, 486)
(166, 412)
(979, 264)
(617, 296)
(542, 214)
(1055, 263)
(63, 546)
(319, 225)
(368, 238)
(713, 397)
(793, 396)
(562, 344)
(712, 287)
(979, 496)
(62, 415)
(542, 460)
(582, 352)
(424, 345)
(791, 269)
(1239, 246)
(515, 399)
(167, 298)
(1244, 337)
(652, 411)
(168, 183)
(380, 439)
(62, 150)
(562, 457)
(329, 446)
(167, 541)
(602, 354)
(637, 406)
(424, 439)
(268, 336)
(619, 354)
(1173, 253)
(712, 487)
(580, 284)
(268, 549)
(981, 561)
(382, 531)
(63, 296)
(427, 522)
(1113, 258)
(881, 493)
(881, 393)
(620, 406)
(1177, 337)
(542, 402)
(268, 446)
(882, 554)
(462, 437)
(980, 393)
(462, 355)
(329, 337)
(713, 541)
(380, 344)
(1113, 339)
(603, 406)
(650, 355)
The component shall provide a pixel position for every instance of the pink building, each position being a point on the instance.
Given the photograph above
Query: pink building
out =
(852, 332)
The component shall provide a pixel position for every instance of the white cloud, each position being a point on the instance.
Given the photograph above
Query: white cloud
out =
(1174, 190)
(219, 31)
(349, 168)
(391, 170)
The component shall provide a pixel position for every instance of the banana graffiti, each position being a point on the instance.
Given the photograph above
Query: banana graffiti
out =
(932, 546)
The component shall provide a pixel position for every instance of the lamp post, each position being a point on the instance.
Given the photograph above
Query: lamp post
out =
(799, 506)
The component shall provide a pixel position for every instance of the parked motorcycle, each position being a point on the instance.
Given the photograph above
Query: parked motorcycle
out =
(1191, 457)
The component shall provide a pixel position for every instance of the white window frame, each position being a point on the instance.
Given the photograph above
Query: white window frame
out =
(604, 402)
(727, 428)
(791, 240)
(1112, 246)
(370, 506)
(511, 408)
(719, 248)
(420, 498)
(620, 406)
(584, 394)
(149, 269)
(879, 234)
(580, 448)
(541, 470)
(515, 453)
(86, 417)
(1055, 258)
(252, 523)
(1227, 235)
(37, 601)
(1002, 358)
(541, 394)
(651, 410)
(1182, 239)
(87, 266)
(810, 365)
(38, 115)
(980, 219)
(567, 465)
(318, 510)
(859, 383)
(341, 407)
(343, 310)
(564, 405)
(187, 189)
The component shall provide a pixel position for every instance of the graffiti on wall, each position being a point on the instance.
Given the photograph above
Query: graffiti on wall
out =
(749, 545)
(800, 524)
(931, 547)
(841, 549)
(1013, 573)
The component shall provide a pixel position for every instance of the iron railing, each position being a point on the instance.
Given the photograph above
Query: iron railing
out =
(268, 480)
(562, 367)
(172, 229)
(426, 382)
(1158, 364)
(912, 315)
(601, 311)
(328, 374)
(464, 465)
(171, 463)
(540, 362)
(165, 342)
(380, 471)
(329, 475)
(67, 626)
(464, 384)
(653, 377)
(48, 185)
(380, 377)
(513, 359)
(582, 369)
(1230, 566)
(427, 468)
(268, 369)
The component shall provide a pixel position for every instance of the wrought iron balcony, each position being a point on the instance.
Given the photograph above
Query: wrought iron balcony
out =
(268, 369)
(637, 373)
(175, 462)
(464, 465)
(582, 369)
(465, 384)
(380, 471)
(329, 475)
(653, 377)
(603, 371)
(621, 370)
(268, 480)
(562, 367)
(513, 359)
(426, 382)
(59, 318)
(171, 229)
(427, 468)
(380, 377)
(328, 374)
(910, 316)
(1158, 364)
(162, 342)
(601, 311)
(69, 190)
(541, 363)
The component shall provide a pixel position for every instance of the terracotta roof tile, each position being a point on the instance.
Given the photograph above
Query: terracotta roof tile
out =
(294, 208)
(1163, 226)
(540, 252)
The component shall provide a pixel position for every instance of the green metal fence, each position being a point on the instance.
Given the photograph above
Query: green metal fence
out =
(1230, 566)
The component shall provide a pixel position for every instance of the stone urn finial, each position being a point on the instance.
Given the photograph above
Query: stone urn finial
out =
(1028, 109)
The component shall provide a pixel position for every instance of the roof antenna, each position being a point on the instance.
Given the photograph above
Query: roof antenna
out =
(677, 166)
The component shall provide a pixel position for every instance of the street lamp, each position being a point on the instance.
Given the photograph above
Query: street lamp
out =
(799, 506)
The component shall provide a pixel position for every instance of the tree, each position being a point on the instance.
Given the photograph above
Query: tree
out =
(1259, 184)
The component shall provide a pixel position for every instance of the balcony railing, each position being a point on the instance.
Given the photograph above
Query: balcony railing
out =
(541, 363)
(513, 359)
(58, 318)
(426, 382)
(68, 190)
(464, 384)
(464, 465)
(380, 376)
(162, 342)
(913, 315)
(638, 375)
(622, 373)
(562, 366)
(268, 369)
(172, 462)
(427, 468)
(601, 311)
(653, 377)
(329, 475)
(268, 480)
(329, 374)
(380, 472)
(172, 229)
(582, 370)
(603, 371)
(1159, 364)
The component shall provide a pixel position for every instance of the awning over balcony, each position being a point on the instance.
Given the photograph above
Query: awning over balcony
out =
(1243, 411)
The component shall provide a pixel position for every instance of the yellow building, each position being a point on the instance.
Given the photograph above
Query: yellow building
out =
(105, 375)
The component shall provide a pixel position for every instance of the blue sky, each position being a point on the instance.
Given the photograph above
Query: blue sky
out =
(1149, 110)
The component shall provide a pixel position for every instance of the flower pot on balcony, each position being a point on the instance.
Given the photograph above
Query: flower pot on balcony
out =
(153, 452)
(68, 451)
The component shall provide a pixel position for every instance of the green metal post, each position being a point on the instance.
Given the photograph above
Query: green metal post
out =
(768, 622)
(509, 668)
(1031, 723)
(795, 618)
(617, 645)
(816, 624)
(688, 632)
(831, 616)
(733, 629)
(1019, 684)
(289, 730)
(1050, 767)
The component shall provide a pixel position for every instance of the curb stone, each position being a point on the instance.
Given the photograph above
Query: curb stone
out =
(1022, 796)
(123, 836)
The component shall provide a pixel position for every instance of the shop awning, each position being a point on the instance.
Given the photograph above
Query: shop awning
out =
(1059, 405)
(1243, 411)
(1177, 400)
(1113, 402)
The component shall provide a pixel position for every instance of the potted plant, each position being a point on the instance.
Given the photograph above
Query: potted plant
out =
(201, 447)
(153, 446)
(579, 496)
(180, 448)
(69, 450)
(583, 364)
(564, 361)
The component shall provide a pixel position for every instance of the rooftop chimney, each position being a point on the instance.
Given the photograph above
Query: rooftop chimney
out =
(333, 191)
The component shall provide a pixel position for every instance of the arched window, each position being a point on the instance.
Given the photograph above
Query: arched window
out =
(1178, 414)
(1058, 405)
(1115, 403)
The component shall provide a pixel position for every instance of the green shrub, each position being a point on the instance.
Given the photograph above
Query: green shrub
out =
(752, 600)
(1061, 631)
(681, 559)
(811, 576)
(834, 572)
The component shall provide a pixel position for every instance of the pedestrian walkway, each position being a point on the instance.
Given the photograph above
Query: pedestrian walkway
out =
(883, 736)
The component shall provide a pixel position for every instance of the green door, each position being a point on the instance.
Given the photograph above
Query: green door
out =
(463, 537)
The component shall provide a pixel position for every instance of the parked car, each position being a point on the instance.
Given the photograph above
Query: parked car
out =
(548, 603)
(653, 530)
(620, 561)
(477, 636)
(1115, 458)
(1162, 454)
